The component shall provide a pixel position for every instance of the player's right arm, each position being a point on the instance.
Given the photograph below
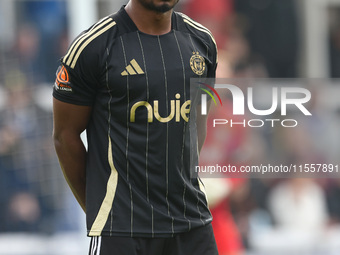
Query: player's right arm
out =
(69, 121)
(74, 93)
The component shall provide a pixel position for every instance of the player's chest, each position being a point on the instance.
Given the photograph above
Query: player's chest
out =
(140, 63)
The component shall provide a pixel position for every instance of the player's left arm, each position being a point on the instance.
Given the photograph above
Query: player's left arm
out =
(69, 121)
(202, 119)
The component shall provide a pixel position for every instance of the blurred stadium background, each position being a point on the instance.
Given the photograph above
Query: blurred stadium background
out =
(256, 38)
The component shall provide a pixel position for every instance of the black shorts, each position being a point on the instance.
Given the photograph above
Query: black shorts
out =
(200, 241)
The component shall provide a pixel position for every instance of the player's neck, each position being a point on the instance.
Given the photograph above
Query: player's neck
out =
(147, 21)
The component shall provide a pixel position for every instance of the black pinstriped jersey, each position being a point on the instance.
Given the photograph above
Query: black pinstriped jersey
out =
(138, 177)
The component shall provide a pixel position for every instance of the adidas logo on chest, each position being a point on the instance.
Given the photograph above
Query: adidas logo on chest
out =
(132, 69)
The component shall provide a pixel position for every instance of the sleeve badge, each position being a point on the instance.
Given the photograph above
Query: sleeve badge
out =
(62, 82)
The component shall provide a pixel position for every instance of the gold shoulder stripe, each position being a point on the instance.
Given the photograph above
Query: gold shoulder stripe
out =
(105, 208)
(196, 23)
(75, 44)
(198, 26)
(201, 28)
(89, 40)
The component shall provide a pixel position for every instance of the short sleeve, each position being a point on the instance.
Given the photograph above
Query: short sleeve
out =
(77, 77)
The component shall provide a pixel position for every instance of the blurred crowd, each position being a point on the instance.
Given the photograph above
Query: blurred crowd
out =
(33, 196)
(256, 39)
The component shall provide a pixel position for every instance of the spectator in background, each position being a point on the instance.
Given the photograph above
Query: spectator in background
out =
(41, 29)
(16, 167)
(333, 201)
(220, 191)
(24, 55)
(26, 173)
(30, 190)
(272, 32)
(304, 205)
(222, 147)
(335, 51)
(50, 20)
(214, 14)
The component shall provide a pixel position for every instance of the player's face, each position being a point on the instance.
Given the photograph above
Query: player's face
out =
(159, 5)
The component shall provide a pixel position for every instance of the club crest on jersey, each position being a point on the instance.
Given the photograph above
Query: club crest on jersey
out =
(62, 81)
(197, 63)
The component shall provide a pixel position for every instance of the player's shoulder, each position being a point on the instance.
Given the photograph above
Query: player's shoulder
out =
(189, 25)
(90, 40)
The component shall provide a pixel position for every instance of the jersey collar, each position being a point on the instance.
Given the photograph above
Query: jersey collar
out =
(131, 25)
